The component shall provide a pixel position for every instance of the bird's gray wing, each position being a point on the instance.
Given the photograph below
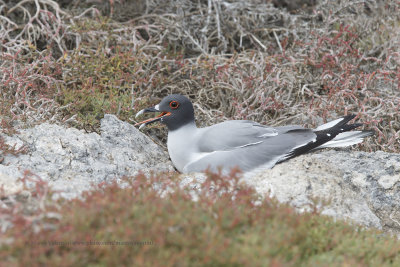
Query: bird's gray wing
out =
(233, 134)
(247, 145)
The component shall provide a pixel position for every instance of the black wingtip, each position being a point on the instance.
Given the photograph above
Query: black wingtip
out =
(369, 132)
(326, 135)
(349, 117)
(346, 119)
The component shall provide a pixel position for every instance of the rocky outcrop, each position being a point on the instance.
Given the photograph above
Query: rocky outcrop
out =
(362, 187)
(72, 160)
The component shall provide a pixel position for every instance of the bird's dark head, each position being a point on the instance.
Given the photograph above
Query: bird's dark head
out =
(176, 111)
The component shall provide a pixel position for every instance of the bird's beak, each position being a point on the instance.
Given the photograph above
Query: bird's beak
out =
(152, 109)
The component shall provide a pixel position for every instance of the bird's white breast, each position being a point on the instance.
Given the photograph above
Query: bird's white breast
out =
(182, 146)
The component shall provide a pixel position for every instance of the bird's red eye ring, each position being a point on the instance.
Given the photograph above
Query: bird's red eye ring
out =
(174, 104)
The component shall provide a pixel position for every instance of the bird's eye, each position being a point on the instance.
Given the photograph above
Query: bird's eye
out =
(174, 104)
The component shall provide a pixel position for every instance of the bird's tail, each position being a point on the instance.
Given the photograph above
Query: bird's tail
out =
(342, 132)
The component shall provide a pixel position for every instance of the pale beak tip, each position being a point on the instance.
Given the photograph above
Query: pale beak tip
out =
(141, 126)
(139, 113)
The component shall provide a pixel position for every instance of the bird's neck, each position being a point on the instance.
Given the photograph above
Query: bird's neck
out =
(187, 127)
(180, 145)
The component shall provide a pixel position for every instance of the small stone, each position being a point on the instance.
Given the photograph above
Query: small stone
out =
(388, 181)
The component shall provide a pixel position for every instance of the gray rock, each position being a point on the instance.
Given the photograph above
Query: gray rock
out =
(362, 187)
(71, 160)
(8, 185)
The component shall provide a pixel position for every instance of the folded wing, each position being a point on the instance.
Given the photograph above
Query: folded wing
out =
(247, 145)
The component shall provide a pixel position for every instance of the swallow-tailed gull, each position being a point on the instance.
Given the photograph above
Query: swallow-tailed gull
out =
(241, 143)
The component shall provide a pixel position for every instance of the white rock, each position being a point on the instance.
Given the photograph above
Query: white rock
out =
(9, 185)
(71, 160)
(358, 186)
(361, 187)
(388, 181)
